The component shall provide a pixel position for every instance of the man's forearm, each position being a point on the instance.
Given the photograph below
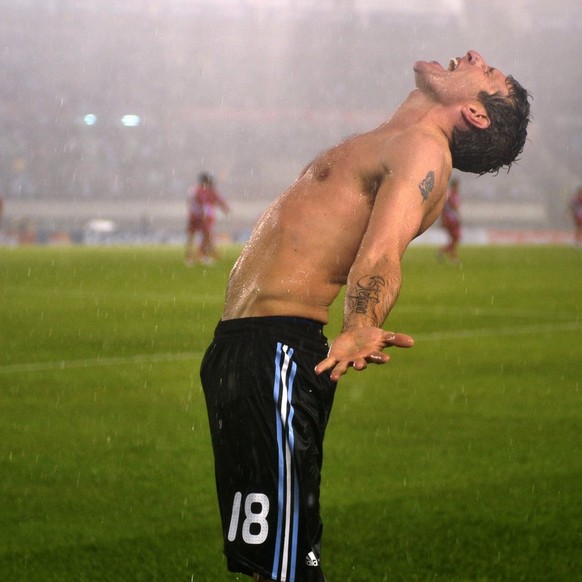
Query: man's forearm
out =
(369, 298)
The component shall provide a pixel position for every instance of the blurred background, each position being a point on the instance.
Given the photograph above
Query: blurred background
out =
(109, 109)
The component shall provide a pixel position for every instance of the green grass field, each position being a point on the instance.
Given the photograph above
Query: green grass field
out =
(460, 460)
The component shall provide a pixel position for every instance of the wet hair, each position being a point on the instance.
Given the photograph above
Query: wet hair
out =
(205, 178)
(482, 151)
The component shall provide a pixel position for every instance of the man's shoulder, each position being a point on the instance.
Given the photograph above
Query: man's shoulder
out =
(419, 145)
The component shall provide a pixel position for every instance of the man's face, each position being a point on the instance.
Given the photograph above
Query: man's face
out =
(463, 80)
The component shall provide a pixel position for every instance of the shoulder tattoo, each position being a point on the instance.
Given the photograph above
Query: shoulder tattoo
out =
(426, 186)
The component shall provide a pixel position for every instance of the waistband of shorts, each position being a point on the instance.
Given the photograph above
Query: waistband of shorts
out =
(303, 325)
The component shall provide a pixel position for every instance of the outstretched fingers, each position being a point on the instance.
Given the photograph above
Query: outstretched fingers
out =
(359, 347)
(326, 364)
(399, 340)
(340, 367)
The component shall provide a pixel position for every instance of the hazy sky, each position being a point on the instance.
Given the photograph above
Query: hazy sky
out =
(253, 89)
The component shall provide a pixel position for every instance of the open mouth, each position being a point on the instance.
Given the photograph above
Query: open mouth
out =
(453, 63)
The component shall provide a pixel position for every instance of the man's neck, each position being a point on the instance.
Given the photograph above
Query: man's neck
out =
(420, 110)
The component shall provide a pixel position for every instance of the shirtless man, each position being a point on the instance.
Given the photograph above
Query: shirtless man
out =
(269, 376)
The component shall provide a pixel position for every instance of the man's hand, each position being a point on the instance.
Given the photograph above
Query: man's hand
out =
(359, 347)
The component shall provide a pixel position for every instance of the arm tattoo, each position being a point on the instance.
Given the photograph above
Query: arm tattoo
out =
(365, 294)
(426, 186)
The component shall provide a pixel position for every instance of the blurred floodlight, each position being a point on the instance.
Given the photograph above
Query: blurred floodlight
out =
(130, 120)
(90, 119)
(101, 225)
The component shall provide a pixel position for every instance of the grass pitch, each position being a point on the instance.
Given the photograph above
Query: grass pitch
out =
(460, 460)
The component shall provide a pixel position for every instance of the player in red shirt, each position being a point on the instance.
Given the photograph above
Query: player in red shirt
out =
(202, 204)
(451, 220)
(576, 208)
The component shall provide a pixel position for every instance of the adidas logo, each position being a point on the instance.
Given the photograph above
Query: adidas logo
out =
(311, 560)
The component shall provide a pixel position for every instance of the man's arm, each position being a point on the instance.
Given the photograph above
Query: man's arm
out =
(408, 202)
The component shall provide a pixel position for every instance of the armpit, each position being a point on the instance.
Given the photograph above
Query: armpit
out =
(372, 181)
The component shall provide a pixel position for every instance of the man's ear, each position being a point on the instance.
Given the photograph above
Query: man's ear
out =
(475, 115)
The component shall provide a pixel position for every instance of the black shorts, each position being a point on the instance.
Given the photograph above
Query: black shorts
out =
(268, 411)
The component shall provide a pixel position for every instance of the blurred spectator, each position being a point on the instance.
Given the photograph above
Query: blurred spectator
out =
(201, 218)
(451, 221)
(576, 209)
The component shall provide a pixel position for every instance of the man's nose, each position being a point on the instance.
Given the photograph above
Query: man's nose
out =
(476, 59)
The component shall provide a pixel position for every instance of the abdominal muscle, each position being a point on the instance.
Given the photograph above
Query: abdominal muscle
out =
(300, 252)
